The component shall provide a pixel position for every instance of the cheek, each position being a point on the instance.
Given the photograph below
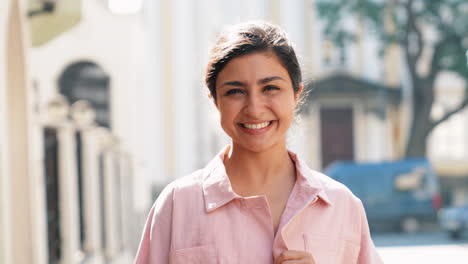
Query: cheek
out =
(228, 111)
(225, 117)
(284, 108)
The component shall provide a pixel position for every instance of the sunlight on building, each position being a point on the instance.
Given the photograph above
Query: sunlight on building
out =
(125, 6)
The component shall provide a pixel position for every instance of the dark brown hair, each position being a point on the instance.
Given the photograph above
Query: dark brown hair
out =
(247, 38)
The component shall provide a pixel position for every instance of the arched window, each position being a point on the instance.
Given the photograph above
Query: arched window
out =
(86, 80)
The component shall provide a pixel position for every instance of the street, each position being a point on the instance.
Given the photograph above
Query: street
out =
(425, 247)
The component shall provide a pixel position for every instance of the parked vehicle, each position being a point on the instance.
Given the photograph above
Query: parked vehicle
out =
(454, 220)
(402, 194)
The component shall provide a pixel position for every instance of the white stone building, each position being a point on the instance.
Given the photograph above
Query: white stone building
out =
(72, 191)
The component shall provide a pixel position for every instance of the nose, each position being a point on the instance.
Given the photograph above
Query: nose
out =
(254, 105)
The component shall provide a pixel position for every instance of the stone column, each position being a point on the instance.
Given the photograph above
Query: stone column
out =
(110, 205)
(126, 199)
(68, 195)
(91, 196)
(107, 150)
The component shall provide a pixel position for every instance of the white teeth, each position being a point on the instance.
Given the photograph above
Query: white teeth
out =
(257, 126)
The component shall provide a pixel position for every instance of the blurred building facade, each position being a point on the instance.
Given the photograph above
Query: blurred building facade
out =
(72, 182)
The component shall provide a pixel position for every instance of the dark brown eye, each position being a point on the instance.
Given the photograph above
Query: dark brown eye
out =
(234, 91)
(271, 88)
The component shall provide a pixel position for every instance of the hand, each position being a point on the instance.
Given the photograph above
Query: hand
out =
(296, 257)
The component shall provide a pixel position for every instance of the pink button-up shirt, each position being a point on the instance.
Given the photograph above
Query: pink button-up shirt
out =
(200, 219)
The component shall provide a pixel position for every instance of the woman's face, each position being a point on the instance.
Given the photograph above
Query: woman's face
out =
(256, 101)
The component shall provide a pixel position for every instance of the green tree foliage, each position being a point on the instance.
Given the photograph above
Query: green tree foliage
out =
(408, 23)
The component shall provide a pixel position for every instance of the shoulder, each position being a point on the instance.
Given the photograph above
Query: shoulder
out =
(182, 191)
(191, 183)
(188, 182)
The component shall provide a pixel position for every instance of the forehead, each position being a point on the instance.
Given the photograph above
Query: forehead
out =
(252, 67)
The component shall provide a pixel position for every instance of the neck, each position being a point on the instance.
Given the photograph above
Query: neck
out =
(256, 171)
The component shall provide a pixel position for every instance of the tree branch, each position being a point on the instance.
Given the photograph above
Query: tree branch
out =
(412, 27)
(457, 109)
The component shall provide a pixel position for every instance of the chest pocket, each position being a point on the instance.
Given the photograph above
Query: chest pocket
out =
(328, 250)
(198, 255)
(324, 250)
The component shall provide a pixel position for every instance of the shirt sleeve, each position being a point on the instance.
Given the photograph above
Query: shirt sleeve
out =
(155, 243)
(368, 253)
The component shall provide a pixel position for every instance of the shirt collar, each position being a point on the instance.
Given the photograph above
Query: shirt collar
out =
(217, 188)
(308, 180)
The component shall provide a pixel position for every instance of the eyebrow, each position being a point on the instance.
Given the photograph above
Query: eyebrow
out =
(269, 79)
(261, 81)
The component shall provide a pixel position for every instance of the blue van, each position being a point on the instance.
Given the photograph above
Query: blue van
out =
(399, 194)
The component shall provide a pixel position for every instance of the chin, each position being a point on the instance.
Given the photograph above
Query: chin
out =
(257, 147)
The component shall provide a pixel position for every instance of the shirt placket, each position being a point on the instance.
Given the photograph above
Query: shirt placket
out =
(258, 208)
(300, 199)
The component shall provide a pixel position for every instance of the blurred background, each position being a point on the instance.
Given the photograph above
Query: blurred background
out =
(102, 103)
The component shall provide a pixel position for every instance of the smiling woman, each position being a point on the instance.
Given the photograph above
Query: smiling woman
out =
(256, 201)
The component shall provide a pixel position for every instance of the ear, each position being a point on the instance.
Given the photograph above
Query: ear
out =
(210, 96)
(297, 95)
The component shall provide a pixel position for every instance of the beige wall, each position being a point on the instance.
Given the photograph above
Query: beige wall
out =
(16, 149)
(5, 256)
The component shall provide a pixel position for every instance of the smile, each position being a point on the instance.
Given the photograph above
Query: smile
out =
(257, 126)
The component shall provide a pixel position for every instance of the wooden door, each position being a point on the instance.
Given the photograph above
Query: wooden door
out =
(337, 135)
